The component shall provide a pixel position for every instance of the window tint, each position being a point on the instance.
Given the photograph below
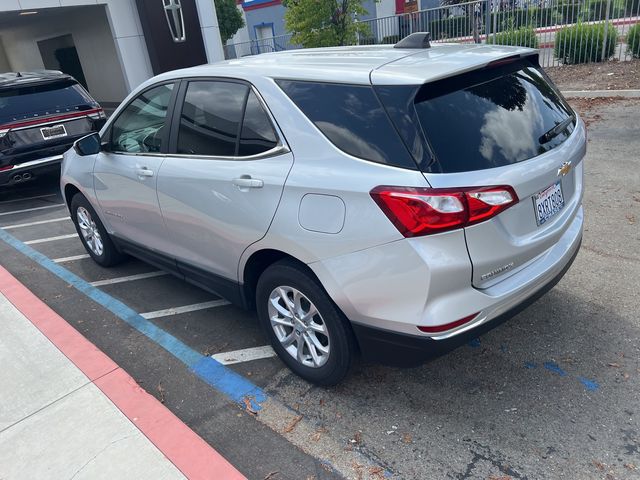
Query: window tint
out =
(19, 103)
(211, 117)
(493, 118)
(140, 126)
(257, 132)
(352, 118)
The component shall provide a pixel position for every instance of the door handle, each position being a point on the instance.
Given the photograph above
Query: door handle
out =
(246, 181)
(144, 172)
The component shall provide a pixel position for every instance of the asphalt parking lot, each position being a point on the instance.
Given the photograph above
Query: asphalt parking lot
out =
(553, 393)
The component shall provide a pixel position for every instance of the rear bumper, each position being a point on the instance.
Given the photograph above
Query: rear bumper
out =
(32, 167)
(389, 291)
(402, 350)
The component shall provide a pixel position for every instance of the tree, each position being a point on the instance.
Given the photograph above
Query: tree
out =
(229, 18)
(324, 23)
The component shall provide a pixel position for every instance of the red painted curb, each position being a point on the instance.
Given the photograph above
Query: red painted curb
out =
(194, 457)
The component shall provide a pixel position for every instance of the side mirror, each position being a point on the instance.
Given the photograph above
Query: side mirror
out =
(89, 145)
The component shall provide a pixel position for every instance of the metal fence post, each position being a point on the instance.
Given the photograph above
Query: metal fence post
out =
(487, 23)
(606, 30)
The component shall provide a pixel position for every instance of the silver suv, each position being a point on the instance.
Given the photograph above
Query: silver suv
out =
(390, 201)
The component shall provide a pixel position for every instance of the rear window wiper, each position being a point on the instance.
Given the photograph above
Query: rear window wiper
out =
(555, 131)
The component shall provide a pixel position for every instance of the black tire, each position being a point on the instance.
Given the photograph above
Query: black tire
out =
(110, 255)
(342, 344)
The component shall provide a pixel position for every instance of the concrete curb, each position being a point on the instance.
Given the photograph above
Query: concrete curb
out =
(601, 93)
(190, 454)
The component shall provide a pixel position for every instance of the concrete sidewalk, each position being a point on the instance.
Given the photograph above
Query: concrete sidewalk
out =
(84, 418)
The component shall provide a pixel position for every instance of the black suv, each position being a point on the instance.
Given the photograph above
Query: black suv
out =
(41, 115)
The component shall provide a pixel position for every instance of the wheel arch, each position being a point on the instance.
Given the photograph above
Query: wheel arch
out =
(69, 191)
(258, 262)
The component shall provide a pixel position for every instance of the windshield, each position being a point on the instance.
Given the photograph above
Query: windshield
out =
(28, 101)
(492, 118)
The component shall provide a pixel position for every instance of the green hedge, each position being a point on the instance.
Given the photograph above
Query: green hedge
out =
(597, 10)
(530, 17)
(633, 41)
(632, 7)
(582, 43)
(521, 37)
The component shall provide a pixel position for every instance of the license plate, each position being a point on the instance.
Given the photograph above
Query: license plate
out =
(548, 202)
(56, 131)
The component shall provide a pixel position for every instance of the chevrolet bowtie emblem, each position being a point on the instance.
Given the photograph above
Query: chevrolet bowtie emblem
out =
(564, 169)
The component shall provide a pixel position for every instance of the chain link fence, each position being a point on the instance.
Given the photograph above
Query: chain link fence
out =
(565, 31)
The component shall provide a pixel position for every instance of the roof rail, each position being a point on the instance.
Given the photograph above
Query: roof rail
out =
(415, 40)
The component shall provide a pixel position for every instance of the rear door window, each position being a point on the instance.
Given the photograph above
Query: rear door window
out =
(28, 101)
(257, 134)
(352, 118)
(493, 117)
(211, 117)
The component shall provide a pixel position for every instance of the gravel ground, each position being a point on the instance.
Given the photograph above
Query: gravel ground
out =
(613, 75)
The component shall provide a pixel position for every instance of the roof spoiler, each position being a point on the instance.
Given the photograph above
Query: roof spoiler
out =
(415, 40)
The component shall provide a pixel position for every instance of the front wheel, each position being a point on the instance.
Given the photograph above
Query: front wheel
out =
(306, 329)
(92, 233)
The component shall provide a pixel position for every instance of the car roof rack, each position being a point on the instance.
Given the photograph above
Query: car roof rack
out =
(415, 40)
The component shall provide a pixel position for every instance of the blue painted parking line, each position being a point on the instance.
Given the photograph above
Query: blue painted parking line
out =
(221, 378)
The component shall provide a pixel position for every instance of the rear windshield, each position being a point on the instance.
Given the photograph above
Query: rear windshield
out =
(28, 101)
(493, 117)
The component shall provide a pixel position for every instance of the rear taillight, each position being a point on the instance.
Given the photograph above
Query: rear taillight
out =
(97, 114)
(423, 211)
(94, 113)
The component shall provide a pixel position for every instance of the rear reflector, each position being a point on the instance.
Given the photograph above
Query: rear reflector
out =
(423, 211)
(447, 326)
(5, 168)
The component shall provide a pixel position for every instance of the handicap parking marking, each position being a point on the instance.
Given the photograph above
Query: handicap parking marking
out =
(184, 309)
(33, 224)
(33, 209)
(51, 239)
(220, 377)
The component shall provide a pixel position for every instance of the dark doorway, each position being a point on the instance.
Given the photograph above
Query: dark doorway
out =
(59, 53)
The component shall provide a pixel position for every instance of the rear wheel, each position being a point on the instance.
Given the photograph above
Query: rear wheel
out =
(92, 233)
(305, 327)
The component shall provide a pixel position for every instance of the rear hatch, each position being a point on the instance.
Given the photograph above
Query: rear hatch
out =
(43, 118)
(503, 125)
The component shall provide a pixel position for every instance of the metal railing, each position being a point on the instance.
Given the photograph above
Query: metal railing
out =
(254, 47)
(565, 31)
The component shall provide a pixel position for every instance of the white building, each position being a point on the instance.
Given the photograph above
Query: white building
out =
(110, 45)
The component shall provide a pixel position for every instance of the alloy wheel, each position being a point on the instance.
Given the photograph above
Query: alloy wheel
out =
(298, 326)
(89, 231)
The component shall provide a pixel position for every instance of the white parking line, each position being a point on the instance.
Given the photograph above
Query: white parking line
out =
(130, 278)
(27, 198)
(71, 259)
(33, 224)
(50, 239)
(57, 205)
(187, 308)
(245, 355)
